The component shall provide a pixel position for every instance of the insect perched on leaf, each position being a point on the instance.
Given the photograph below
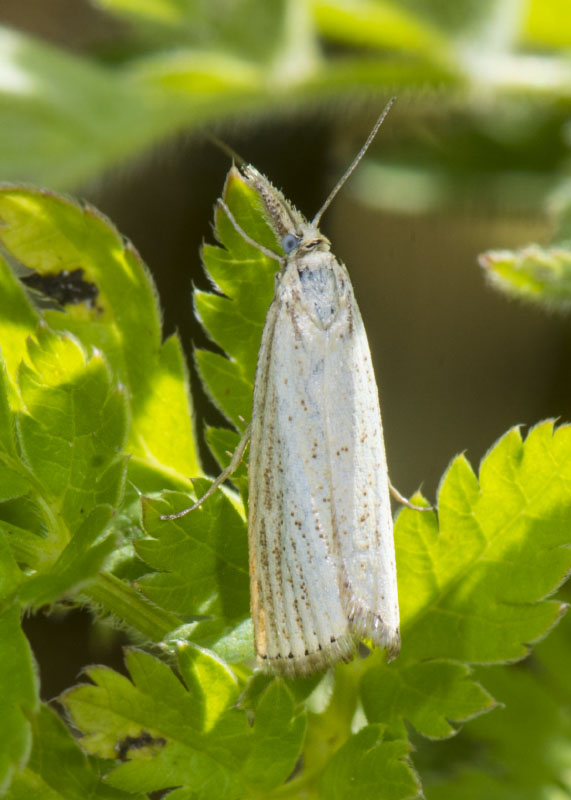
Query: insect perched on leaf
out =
(322, 559)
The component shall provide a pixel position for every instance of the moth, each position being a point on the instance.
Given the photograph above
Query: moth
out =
(322, 558)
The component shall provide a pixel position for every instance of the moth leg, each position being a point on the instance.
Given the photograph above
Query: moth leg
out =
(401, 499)
(265, 250)
(224, 475)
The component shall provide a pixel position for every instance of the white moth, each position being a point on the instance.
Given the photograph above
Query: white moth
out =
(322, 559)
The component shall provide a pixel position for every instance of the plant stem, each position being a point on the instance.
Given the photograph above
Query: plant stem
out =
(131, 607)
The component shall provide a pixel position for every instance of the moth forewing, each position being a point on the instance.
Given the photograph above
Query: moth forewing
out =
(299, 621)
(322, 563)
(360, 490)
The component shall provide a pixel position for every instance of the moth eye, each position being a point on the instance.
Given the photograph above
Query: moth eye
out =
(289, 243)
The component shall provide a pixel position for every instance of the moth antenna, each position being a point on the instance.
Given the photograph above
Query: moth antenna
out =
(222, 145)
(347, 174)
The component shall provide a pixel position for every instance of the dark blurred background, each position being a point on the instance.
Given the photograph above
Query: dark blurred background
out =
(463, 164)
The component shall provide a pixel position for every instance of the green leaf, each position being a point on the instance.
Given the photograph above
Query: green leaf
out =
(543, 24)
(57, 769)
(236, 270)
(226, 385)
(79, 562)
(19, 692)
(174, 736)
(18, 320)
(380, 24)
(73, 427)
(238, 645)
(82, 401)
(53, 132)
(164, 426)
(536, 710)
(503, 546)
(11, 484)
(10, 573)
(245, 27)
(81, 240)
(7, 419)
(536, 274)
(214, 686)
(367, 766)
(201, 561)
(157, 11)
(68, 461)
(469, 19)
(429, 695)
(475, 590)
(276, 744)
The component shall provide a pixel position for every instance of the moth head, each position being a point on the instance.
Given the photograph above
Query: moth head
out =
(292, 229)
(308, 239)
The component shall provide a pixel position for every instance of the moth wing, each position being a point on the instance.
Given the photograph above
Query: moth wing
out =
(360, 485)
(300, 620)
